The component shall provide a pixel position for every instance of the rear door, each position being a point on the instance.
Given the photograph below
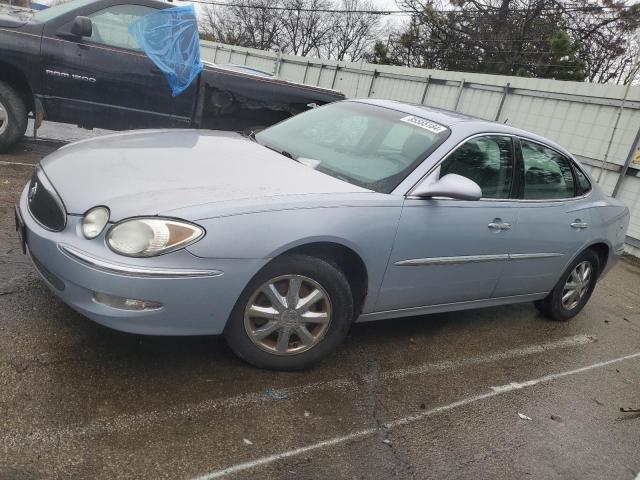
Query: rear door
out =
(106, 80)
(553, 224)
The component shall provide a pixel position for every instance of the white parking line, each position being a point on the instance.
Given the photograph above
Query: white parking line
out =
(2, 162)
(137, 421)
(407, 420)
(574, 341)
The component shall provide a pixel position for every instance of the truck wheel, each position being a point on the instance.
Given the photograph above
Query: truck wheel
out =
(13, 117)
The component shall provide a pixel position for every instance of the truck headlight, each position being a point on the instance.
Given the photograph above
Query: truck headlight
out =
(94, 221)
(146, 237)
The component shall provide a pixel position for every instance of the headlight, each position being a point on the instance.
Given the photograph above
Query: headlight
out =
(94, 221)
(146, 237)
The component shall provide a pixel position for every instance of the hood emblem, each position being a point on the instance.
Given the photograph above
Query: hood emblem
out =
(32, 191)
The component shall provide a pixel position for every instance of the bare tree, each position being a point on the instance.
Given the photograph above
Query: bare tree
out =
(608, 40)
(354, 31)
(558, 39)
(252, 24)
(336, 29)
(305, 26)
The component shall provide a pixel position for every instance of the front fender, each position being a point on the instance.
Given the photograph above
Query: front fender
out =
(368, 231)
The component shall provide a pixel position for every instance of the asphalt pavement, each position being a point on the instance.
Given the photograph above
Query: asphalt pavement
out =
(494, 393)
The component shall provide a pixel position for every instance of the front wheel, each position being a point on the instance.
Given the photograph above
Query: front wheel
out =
(13, 117)
(574, 289)
(292, 314)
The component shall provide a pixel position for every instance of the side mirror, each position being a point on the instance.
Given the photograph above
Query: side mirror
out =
(82, 27)
(450, 186)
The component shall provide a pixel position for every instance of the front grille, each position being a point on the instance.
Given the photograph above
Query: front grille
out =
(45, 205)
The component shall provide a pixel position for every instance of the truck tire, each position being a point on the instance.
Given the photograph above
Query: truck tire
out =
(13, 117)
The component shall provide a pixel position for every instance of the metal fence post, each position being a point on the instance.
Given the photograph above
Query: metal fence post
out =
(625, 167)
(277, 63)
(427, 81)
(215, 53)
(306, 69)
(455, 106)
(335, 74)
(320, 74)
(373, 79)
(502, 100)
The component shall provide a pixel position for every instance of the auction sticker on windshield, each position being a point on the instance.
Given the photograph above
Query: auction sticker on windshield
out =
(424, 123)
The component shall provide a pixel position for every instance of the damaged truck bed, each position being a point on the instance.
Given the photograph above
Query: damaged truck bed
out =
(236, 100)
(77, 63)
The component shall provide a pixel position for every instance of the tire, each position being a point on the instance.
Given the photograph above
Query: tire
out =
(334, 304)
(14, 111)
(553, 306)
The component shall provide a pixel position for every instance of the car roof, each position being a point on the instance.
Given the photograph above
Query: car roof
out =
(441, 116)
(471, 125)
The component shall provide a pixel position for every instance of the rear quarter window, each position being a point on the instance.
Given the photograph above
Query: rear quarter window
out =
(583, 183)
(547, 174)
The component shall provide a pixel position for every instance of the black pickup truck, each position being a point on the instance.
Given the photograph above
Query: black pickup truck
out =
(76, 63)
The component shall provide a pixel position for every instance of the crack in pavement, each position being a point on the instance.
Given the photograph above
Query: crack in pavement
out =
(375, 396)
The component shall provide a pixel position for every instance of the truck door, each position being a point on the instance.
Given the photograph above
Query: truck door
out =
(105, 80)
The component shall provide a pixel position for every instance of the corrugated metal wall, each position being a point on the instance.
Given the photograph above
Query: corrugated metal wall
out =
(580, 116)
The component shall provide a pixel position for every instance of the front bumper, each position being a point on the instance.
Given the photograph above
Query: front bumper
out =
(197, 294)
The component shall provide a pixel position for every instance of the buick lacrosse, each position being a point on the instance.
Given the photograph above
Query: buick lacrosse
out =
(354, 211)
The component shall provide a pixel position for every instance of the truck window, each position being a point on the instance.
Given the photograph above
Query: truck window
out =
(111, 25)
(54, 12)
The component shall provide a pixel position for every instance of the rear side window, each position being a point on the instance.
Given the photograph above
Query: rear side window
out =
(486, 160)
(547, 174)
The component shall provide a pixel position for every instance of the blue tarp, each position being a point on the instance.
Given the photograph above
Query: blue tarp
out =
(170, 39)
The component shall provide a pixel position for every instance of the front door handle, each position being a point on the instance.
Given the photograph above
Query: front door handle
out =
(578, 225)
(499, 225)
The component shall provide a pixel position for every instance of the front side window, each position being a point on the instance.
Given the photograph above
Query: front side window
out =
(486, 160)
(111, 25)
(547, 173)
(58, 10)
(370, 146)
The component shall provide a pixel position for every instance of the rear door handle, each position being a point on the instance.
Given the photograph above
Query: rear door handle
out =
(499, 225)
(578, 225)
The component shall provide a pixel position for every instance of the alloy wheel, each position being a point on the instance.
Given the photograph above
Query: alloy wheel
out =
(287, 315)
(4, 118)
(576, 285)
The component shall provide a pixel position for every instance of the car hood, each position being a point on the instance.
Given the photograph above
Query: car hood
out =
(151, 172)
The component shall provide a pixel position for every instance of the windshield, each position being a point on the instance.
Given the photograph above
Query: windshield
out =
(54, 12)
(370, 146)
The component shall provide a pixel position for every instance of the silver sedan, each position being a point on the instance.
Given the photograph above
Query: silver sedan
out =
(355, 211)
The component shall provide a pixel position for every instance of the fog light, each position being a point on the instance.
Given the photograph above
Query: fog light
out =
(122, 303)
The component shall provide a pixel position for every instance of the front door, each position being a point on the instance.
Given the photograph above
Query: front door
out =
(105, 80)
(449, 251)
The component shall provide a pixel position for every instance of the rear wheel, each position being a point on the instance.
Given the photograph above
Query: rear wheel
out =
(13, 116)
(574, 289)
(292, 314)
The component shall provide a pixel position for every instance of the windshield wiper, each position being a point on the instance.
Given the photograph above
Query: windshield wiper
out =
(281, 152)
(287, 154)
